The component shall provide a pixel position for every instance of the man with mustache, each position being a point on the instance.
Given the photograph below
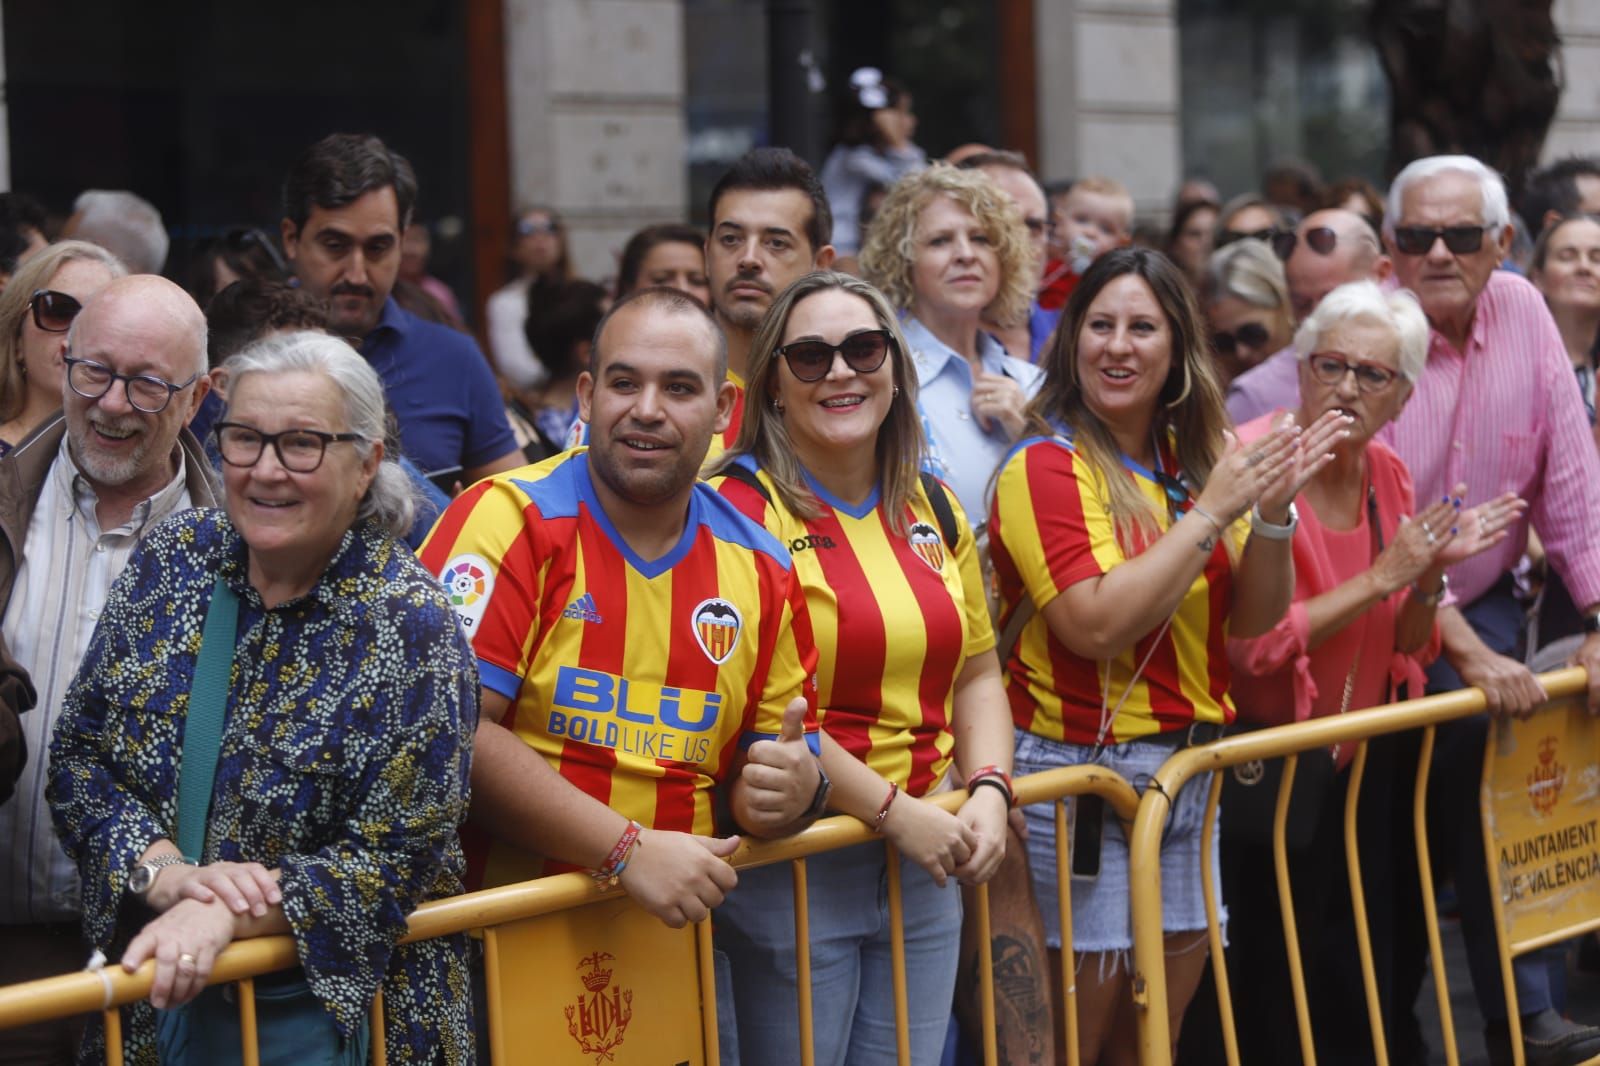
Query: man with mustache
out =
(76, 497)
(346, 202)
(770, 226)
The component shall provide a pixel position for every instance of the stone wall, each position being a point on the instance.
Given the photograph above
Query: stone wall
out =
(1576, 130)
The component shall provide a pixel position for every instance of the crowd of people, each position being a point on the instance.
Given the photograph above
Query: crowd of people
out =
(903, 476)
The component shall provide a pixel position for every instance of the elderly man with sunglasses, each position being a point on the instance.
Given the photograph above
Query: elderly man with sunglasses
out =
(1495, 408)
(1328, 249)
(76, 497)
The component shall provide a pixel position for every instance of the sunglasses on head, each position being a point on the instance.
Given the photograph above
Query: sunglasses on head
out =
(241, 239)
(528, 226)
(1417, 240)
(53, 311)
(1249, 335)
(1230, 235)
(1319, 239)
(863, 352)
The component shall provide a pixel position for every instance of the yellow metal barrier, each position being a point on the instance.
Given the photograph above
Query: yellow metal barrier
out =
(493, 910)
(1288, 741)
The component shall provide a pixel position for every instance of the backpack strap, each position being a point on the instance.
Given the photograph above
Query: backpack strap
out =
(743, 474)
(942, 511)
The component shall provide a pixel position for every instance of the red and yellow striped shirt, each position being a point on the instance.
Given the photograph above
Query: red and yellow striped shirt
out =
(895, 618)
(638, 681)
(1050, 529)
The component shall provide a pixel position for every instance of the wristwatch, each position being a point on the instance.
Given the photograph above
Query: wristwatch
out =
(143, 875)
(1434, 598)
(819, 800)
(1271, 530)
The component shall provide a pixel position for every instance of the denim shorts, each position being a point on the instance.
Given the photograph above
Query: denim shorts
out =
(1100, 907)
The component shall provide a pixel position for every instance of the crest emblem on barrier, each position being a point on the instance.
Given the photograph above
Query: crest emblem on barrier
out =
(925, 541)
(601, 1015)
(717, 625)
(1546, 779)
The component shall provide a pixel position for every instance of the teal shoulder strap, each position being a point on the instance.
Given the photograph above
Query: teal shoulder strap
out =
(202, 731)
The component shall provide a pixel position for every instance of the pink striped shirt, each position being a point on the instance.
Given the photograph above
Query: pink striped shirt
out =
(1504, 416)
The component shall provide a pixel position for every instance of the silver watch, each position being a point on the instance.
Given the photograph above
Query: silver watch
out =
(143, 875)
(1271, 530)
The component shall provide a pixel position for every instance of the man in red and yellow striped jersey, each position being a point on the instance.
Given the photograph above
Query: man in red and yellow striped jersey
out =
(641, 643)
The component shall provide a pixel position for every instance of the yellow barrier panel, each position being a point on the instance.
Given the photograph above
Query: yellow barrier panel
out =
(1155, 1042)
(1541, 812)
(506, 915)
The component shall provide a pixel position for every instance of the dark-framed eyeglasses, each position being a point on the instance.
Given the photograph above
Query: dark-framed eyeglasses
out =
(863, 352)
(1249, 335)
(1319, 239)
(1417, 240)
(145, 392)
(299, 451)
(53, 311)
(1229, 236)
(1331, 369)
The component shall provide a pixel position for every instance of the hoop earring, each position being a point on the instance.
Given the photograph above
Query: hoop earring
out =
(1184, 395)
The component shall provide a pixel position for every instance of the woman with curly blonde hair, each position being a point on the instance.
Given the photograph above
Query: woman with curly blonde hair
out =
(949, 249)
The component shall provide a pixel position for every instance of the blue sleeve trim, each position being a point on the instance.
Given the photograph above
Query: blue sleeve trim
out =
(498, 679)
(813, 741)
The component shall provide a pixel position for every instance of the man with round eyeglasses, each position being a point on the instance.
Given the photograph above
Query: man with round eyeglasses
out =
(1495, 407)
(76, 497)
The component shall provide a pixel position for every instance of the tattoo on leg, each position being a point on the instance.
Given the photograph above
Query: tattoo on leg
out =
(1021, 999)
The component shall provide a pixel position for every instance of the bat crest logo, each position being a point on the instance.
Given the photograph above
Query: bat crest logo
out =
(925, 541)
(717, 625)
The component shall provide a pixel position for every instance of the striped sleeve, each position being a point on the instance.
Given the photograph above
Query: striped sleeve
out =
(1047, 521)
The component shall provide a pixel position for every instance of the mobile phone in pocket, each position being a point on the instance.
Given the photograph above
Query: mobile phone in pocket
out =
(1085, 834)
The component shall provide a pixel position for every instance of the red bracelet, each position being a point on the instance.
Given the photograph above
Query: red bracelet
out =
(996, 778)
(618, 859)
(883, 812)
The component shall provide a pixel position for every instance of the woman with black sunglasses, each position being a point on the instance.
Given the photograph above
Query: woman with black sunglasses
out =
(1247, 303)
(36, 310)
(1119, 536)
(909, 695)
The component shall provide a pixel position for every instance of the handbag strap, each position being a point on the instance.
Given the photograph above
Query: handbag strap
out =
(202, 732)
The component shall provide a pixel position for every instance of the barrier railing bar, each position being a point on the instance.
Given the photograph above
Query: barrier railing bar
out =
(708, 991)
(1358, 905)
(1430, 908)
(1508, 980)
(250, 1041)
(1560, 936)
(380, 1051)
(1219, 958)
(802, 962)
(1069, 969)
(991, 1044)
(491, 984)
(113, 1018)
(1149, 952)
(897, 955)
(1291, 930)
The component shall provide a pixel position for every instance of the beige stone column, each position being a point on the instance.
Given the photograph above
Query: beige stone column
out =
(596, 97)
(1576, 130)
(1108, 94)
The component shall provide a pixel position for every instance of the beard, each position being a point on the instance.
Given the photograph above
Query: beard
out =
(104, 468)
(647, 485)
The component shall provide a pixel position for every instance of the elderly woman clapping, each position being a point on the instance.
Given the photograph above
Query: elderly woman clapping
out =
(1369, 565)
(341, 734)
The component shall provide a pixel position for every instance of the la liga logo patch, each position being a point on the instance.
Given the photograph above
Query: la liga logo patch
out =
(717, 626)
(468, 582)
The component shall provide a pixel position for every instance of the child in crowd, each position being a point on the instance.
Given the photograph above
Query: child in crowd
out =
(1094, 216)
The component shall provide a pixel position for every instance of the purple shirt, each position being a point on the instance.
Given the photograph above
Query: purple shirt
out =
(1270, 385)
(1503, 416)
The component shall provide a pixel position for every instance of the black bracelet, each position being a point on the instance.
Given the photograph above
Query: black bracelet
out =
(994, 781)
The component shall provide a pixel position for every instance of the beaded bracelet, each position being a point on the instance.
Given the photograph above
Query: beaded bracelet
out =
(883, 812)
(617, 861)
(995, 778)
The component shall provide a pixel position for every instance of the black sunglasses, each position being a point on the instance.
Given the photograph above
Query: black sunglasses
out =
(1417, 240)
(863, 352)
(1319, 239)
(1250, 335)
(53, 311)
(1229, 236)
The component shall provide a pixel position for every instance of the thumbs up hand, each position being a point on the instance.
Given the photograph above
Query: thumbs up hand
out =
(779, 777)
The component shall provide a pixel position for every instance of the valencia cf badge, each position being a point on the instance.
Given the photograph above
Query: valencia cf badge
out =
(717, 625)
(925, 541)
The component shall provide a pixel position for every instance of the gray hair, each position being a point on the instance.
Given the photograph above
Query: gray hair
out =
(390, 500)
(1248, 270)
(1364, 301)
(123, 223)
(1496, 208)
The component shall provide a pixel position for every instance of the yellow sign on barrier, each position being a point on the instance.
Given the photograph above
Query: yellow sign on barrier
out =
(605, 983)
(1542, 810)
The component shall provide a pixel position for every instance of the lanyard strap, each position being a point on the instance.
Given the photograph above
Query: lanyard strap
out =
(202, 732)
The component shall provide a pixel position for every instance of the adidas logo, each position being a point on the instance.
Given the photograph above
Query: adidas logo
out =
(583, 610)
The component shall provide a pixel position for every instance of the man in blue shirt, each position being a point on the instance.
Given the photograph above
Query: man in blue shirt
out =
(346, 201)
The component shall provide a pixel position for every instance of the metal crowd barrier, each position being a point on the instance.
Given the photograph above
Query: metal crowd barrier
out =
(492, 912)
(1287, 742)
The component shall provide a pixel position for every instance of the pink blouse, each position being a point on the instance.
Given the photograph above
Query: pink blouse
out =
(1276, 678)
